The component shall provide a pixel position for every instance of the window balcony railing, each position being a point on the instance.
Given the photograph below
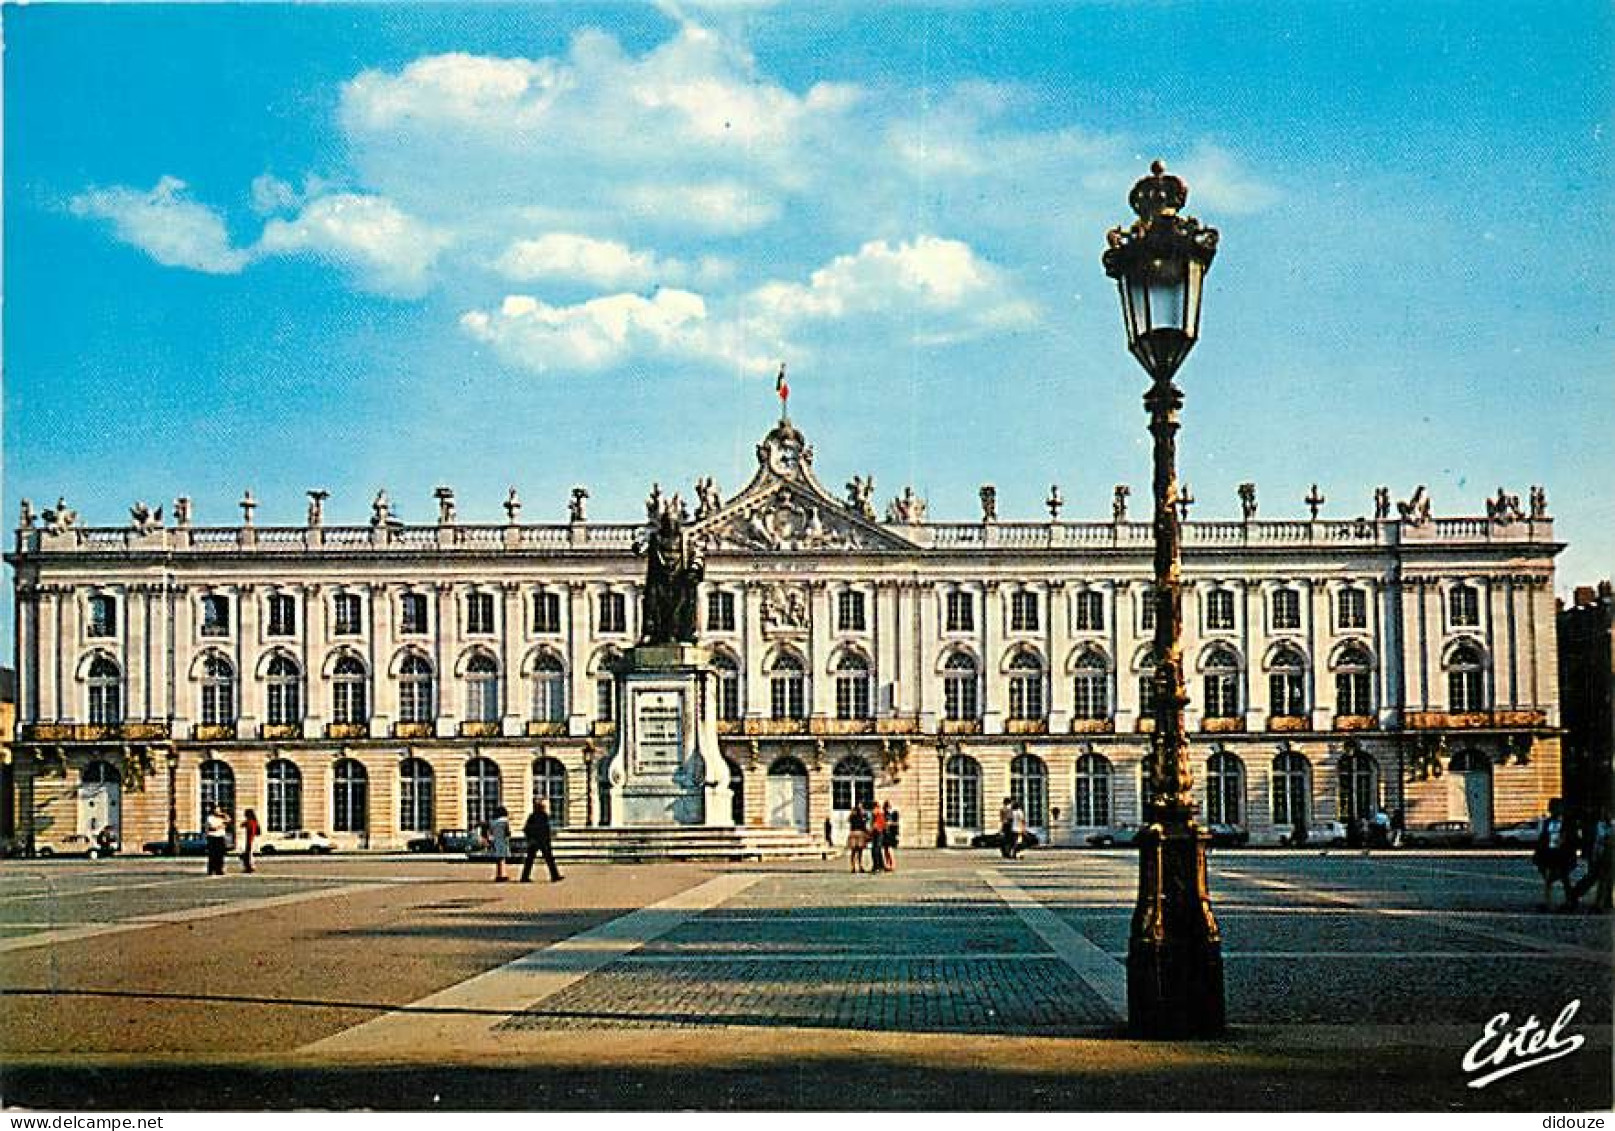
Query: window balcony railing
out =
(1288, 724)
(1026, 726)
(602, 728)
(1093, 726)
(731, 726)
(776, 726)
(898, 724)
(546, 728)
(142, 732)
(1145, 724)
(479, 728)
(414, 730)
(842, 726)
(281, 730)
(213, 732)
(347, 730)
(1469, 720)
(961, 726)
(1222, 726)
(1355, 722)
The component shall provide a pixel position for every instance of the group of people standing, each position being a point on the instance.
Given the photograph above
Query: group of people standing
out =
(874, 829)
(1560, 841)
(216, 831)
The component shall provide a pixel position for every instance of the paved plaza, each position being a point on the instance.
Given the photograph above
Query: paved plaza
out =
(963, 981)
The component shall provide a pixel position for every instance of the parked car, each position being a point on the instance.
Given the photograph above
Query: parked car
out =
(1115, 835)
(995, 839)
(444, 840)
(1520, 834)
(1323, 834)
(78, 844)
(1228, 836)
(1439, 834)
(190, 844)
(299, 840)
(483, 850)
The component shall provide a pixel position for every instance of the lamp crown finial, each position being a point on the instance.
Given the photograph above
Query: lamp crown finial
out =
(1159, 194)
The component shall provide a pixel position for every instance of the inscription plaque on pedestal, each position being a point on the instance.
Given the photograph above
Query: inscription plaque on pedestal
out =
(660, 731)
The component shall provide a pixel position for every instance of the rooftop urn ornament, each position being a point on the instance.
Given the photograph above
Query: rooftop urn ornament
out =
(445, 505)
(1247, 501)
(989, 502)
(25, 515)
(1382, 503)
(1539, 504)
(1054, 502)
(316, 506)
(1314, 501)
(1118, 502)
(381, 509)
(577, 509)
(513, 506)
(182, 511)
(248, 506)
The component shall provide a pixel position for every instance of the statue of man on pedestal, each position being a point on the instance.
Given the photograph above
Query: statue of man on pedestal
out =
(673, 570)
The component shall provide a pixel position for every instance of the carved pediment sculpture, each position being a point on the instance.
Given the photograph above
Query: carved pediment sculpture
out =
(785, 521)
(784, 607)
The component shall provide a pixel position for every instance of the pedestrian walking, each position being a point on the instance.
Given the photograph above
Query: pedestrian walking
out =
(1006, 828)
(1399, 824)
(499, 842)
(877, 840)
(249, 837)
(216, 829)
(829, 834)
(857, 837)
(892, 831)
(1555, 855)
(1600, 848)
(1017, 827)
(539, 841)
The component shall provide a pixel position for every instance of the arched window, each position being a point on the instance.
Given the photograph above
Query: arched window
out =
(285, 812)
(415, 796)
(350, 796)
(416, 703)
(787, 688)
(1026, 687)
(961, 792)
(549, 689)
(852, 782)
(1359, 784)
(1093, 790)
(482, 689)
(348, 699)
(1091, 698)
(103, 620)
(1466, 679)
(218, 788)
(959, 683)
(285, 705)
(728, 686)
(549, 784)
(1029, 788)
(1287, 684)
(1292, 789)
(481, 791)
(106, 692)
(1222, 684)
(852, 687)
(1354, 688)
(218, 691)
(1225, 789)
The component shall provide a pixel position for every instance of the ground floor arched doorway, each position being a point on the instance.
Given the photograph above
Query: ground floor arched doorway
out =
(1469, 791)
(788, 794)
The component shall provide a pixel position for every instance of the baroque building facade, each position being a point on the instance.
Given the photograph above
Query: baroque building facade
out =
(380, 682)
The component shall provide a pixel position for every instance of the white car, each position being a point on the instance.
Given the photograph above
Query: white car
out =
(299, 840)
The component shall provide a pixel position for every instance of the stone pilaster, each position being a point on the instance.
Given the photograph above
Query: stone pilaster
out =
(512, 700)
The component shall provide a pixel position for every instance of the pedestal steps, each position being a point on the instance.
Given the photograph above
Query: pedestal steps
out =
(685, 842)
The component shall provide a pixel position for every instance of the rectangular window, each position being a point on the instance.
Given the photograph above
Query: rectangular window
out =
(605, 699)
(479, 613)
(852, 696)
(1353, 608)
(1146, 611)
(412, 614)
(787, 696)
(720, 611)
(546, 612)
(1091, 700)
(850, 611)
(961, 612)
(728, 695)
(1352, 693)
(282, 615)
(613, 613)
(1023, 611)
(415, 803)
(1222, 696)
(1089, 611)
(1463, 604)
(1220, 609)
(1286, 609)
(1146, 695)
(103, 617)
(1466, 691)
(959, 695)
(347, 615)
(215, 615)
(1288, 694)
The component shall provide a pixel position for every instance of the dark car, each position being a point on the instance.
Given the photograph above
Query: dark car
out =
(190, 844)
(995, 839)
(483, 850)
(445, 840)
(1228, 836)
(1115, 835)
(1439, 834)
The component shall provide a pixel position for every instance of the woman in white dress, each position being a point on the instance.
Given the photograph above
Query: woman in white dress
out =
(499, 842)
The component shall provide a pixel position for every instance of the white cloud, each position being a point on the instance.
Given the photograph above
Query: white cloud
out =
(174, 231)
(387, 249)
(603, 331)
(566, 255)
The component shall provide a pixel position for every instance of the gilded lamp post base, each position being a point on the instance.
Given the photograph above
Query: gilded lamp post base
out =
(1174, 952)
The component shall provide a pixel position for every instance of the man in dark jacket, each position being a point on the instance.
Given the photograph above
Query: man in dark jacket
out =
(537, 831)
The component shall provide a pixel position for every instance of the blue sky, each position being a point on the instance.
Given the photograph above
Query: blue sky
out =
(281, 247)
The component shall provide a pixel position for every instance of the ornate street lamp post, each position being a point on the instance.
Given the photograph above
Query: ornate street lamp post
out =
(1174, 952)
(171, 757)
(941, 792)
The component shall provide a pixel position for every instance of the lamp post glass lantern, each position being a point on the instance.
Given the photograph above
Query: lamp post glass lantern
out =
(1174, 950)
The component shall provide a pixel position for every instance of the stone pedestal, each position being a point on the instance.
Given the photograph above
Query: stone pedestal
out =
(665, 768)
